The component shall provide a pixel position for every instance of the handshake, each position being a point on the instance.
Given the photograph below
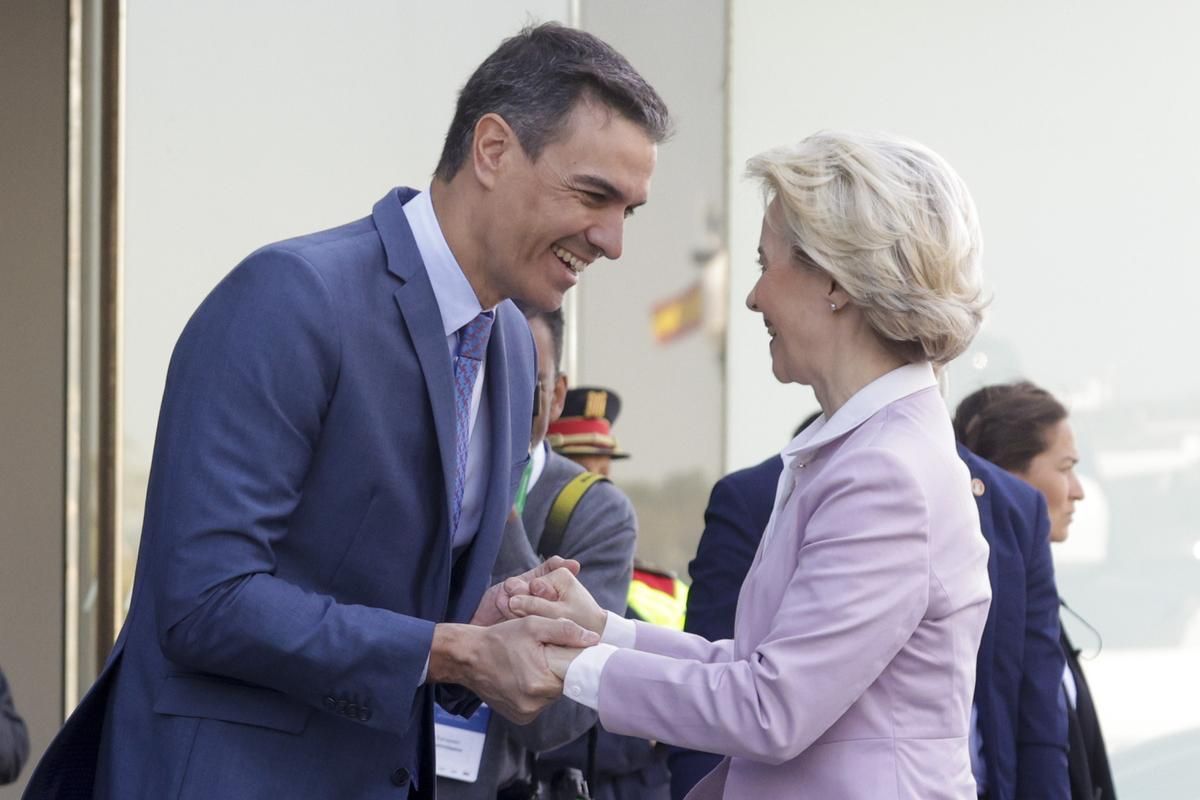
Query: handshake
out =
(524, 635)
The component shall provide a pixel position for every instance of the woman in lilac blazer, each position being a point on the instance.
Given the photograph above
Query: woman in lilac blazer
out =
(853, 659)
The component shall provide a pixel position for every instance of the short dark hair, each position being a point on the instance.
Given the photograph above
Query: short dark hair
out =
(554, 323)
(1008, 423)
(533, 81)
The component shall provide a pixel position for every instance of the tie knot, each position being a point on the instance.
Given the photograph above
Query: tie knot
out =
(473, 337)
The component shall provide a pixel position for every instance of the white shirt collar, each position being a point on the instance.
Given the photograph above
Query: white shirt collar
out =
(537, 463)
(455, 298)
(864, 404)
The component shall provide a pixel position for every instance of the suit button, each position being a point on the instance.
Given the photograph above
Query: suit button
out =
(330, 703)
(400, 776)
(352, 710)
(364, 714)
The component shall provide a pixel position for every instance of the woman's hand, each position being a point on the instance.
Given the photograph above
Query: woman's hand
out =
(559, 594)
(559, 659)
(495, 606)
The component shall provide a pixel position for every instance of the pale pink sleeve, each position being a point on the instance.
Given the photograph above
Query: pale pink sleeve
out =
(859, 591)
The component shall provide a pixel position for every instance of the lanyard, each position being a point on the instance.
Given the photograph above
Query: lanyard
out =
(523, 488)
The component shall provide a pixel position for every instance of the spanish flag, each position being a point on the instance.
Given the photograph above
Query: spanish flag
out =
(678, 315)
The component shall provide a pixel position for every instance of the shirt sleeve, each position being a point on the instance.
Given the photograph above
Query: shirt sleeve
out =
(618, 631)
(583, 676)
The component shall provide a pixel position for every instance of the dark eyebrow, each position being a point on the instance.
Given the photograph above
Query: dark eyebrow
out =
(598, 184)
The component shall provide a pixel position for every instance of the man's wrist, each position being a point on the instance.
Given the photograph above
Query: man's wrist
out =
(452, 653)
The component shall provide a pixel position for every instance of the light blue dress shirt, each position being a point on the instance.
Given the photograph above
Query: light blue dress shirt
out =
(458, 305)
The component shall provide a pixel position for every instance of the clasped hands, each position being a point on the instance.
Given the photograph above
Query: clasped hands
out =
(526, 631)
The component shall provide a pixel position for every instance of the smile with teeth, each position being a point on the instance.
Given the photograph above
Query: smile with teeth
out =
(573, 262)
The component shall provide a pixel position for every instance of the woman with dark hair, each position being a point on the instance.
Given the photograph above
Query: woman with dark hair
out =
(1022, 428)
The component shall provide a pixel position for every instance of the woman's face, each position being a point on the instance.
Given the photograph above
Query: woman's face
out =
(794, 300)
(1052, 472)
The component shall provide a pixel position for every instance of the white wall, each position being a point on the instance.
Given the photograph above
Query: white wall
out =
(1074, 124)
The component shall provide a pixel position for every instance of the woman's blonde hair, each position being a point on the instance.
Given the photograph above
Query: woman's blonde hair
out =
(894, 225)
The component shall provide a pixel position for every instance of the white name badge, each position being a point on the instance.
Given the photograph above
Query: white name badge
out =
(460, 743)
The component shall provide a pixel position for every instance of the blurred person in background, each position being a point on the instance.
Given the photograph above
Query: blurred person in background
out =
(560, 509)
(583, 432)
(852, 664)
(617, 767)
(1022, 428)
(14, 738)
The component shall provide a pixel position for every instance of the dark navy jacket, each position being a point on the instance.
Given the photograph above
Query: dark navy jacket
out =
(1018, 680)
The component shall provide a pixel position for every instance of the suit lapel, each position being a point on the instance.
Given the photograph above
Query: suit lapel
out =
(419, 312)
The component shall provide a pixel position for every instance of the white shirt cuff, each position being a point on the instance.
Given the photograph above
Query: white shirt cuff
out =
(618, 631)
(582, 683)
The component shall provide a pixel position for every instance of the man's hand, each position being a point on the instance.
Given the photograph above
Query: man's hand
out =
(559, 594)
(495, 607)
(506, 663)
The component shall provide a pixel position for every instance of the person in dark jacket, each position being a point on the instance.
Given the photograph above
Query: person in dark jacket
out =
(14, 739)
(1022, 428)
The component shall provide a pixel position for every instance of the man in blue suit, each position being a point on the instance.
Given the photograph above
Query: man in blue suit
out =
(344, 424)
(1019, 742)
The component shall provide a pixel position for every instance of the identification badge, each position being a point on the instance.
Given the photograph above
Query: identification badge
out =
(460, 742)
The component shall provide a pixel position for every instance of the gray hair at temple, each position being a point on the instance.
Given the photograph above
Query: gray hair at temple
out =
(533, 81)
(894, 225)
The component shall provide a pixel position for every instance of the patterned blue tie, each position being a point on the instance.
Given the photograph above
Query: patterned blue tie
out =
(472, 344)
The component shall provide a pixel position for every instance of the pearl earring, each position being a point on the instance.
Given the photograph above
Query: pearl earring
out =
(833, 306)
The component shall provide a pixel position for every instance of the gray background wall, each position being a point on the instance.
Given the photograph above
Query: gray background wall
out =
(33, 224)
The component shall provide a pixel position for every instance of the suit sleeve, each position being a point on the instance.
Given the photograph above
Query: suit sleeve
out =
(602, 536)
(1042, 715)
(247, 391)
(723, 558)
(859, 590)
(14, 739)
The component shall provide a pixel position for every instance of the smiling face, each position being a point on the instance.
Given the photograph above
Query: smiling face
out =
(1052, 472)
(554, 216)
(794, 299)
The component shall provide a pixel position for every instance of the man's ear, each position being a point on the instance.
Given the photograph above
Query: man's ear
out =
(560, 397)
(493, 140)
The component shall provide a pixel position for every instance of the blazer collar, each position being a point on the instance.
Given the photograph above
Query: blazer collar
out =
(866, 402)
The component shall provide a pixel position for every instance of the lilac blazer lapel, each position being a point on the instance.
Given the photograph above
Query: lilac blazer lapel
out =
(423, 320)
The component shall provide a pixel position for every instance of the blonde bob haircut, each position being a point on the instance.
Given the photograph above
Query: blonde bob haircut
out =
(894, 225)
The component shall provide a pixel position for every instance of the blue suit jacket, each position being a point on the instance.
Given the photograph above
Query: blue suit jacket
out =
(295, 551)
(1018, 679)
(1019, 669)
